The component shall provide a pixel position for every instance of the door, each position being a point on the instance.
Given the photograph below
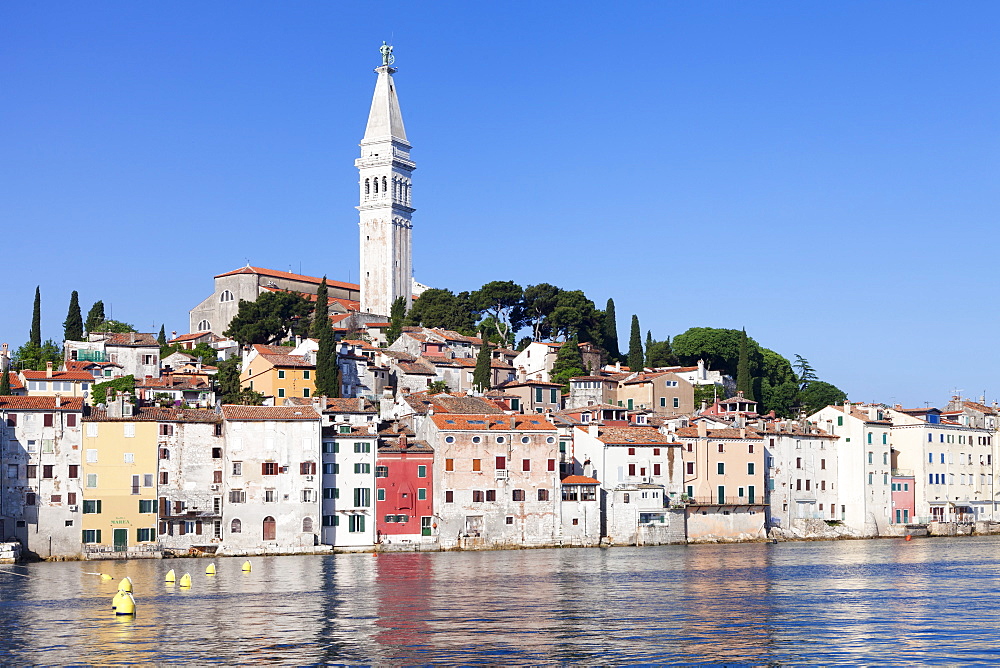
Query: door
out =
(269, 528)
(121, 540)
(722, 494)
(425, 526)
(752, 494)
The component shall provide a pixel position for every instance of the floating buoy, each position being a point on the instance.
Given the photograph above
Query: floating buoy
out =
(246, 566)
(119, 595)
(126, 604)
(186, 580)
(171, 576)
(105, 576)
(210, 570)
(908, 537)
(125, 585)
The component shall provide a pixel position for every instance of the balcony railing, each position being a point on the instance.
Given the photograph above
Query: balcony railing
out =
(902, 473)
(502, 474)
(726, 501)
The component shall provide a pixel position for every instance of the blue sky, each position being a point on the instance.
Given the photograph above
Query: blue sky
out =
(824, 174)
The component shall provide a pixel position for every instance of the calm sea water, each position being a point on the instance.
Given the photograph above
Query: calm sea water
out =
(882, 601)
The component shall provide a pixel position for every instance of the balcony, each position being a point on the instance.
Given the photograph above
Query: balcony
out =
(726, 501)
(902, 473)
(502, 474)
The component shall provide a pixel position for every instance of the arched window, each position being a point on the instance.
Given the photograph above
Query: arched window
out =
(236, 527)
(376, 185)
(368, 186)
(307, 525)
(226, 296)
(204, 326)
(385, 184)
(269, 530)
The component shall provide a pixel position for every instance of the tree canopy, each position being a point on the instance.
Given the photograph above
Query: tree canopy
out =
(536, 306)
(501, 301)
(270, 318)
(321, 314)
(568, 364)
(609, 331)
(635, 356)
(73, 325)
(35, 335)
(819, 394)
(114, 326)
(397, 316)
(482, 377)
(95, 316)
(442, 308)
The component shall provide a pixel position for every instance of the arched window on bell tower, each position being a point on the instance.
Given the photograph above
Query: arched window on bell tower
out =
(368, 187)
(376, 186)
(385, 185)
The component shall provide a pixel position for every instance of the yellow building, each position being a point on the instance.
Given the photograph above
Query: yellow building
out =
(119, 480)
(271, 371)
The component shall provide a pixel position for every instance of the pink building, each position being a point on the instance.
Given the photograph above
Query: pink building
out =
(404, 490)
(903, 498)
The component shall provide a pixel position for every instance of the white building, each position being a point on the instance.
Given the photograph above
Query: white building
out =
(864, 464)
(271, 479)
(801, 469)
(348, 483)
(385, 183)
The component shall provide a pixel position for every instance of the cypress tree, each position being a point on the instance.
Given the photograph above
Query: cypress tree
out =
(568, 364)
(4, 378)
(95, 316)
(481, 377)
(161, 338)
(397, 313)
(73, 325)
(35, 336)
(744, 382)
(649, 347)
(635, 356)
(321, 314)
(327, 369)
(610, 331)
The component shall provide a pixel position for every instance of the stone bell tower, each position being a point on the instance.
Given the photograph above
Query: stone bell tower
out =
(385, 183)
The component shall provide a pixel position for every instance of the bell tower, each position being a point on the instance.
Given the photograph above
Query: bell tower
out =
(385, 185)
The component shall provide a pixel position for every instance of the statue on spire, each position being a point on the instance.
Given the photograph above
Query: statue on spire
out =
(387, 57)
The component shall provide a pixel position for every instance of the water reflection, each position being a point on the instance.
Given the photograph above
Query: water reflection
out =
(846, 602)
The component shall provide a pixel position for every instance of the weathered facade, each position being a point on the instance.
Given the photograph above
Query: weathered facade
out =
(404, 495)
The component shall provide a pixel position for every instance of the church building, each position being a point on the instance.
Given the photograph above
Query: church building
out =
(385, 207)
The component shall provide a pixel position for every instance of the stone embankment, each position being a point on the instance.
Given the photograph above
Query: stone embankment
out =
(10, 553)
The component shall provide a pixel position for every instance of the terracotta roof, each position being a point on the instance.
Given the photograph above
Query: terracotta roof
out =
(451, 403)
(173, 382)
(15, 381)
(130, 339)
(360, 344)
(474, 422)
(972, 405)
(632, 436)
(391, 444)
(15, 403)
(529, 383)
(59, 375)
(415, 368)
(579, 480)
(196, 335)
(275, 413)
(156, 415)
(645, 377)
(337, 405)
(290, 276)
(471, 362)
(608, 378)
(377, 325)
(289, 360)
(396, 355)
(860, 415)
(692, 432)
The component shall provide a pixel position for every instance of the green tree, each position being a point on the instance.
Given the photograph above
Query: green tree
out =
(537, 305)
(269, 318)
(707, 394)
(161, 338)
(32, 357)
(35, 335)
(321, 314)
(744, 379)
(114, 326)
(806, 374)
(95, 316)
(101, 393)
(500, 299)
(441, 308)
(4, 378)
(609, 338)
(660, 354)
(819, 394)
(227, 380)
(327, 367)
(568, 364)
(73, 325)
(718, 347)
(777, 387)
(397, 315)
(482, 376)
(635, 356)
(437, 387)
(649, 347)
(575, 315)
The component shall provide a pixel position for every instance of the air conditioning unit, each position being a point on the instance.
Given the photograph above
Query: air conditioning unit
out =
(73, 509)
(309, 478)
(215, 488)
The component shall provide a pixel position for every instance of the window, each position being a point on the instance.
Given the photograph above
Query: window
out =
(631, 469)
(551, 465)
(129, 430)
(449, 465)
(269, 468)
(308, 495)
(822, 464)
(362, 447)
(750, 468)
(422, 471)
(677, 402)
(362, 468)
(356, 523)
(690, 468)
(656, 469)
(331, 493)
(501, 463)
(91, 535)
(477, 465)
(226, 296)
(306, 375)
(330, 447)
(722, 447)
(543, 495)
(491, 495)
(307, 525)
(32, 471)
(91, 480)
(91, 507)
(477, 496)
(47, 471)
(307, 468)
(281, 373)
(147, 505)
(381, 471)
(362, 497)
(91, 456)
(281, 392)
(517, 495)
(538, 395)
(237, 468)
(525, 464)
(270, 496)
(237, 496)
(129, 457)
(721, 468)
(449, 496)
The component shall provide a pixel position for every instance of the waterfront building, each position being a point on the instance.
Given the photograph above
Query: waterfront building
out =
(270, 478)
(40, 493)
(801, 469)
(951, 464)
(119, 501)
(643, 514)
(724, 479)
(190, 477)
(580, 511)
(348, 483)
(903, 497)
(404, 494)
(496, 481)
(864, 466)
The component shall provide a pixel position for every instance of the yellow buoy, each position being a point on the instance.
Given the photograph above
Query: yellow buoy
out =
(246, 566)
(119, 595)
(126, 604)
(105, 576)
(171, 576)
(210, 570)
(125, 584)
(186, 580)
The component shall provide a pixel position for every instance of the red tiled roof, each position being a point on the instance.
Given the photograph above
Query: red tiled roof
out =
(377, 325)
(156, 415)
(290, 276)
(454, 421)
(58, 375)
(632, 436)
(692, 432)
(289, 360)
(530, 383)
(275, 413)
(137, 339)
(15, 381)
(579, 480)
(13, 403)
(339, 405)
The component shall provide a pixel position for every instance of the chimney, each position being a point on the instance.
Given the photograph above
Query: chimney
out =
(702, 429)
(58, 400)
(588, 469)
(402, 441)
(513, 422)
(131, 338)
(872, 413)
(702, 375)
(618, 366)
(743, 432)
(593, 430)
(521, 374)
(48, 369)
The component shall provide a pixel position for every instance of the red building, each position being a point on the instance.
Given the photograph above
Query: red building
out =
(903, 499)
(404, 489)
